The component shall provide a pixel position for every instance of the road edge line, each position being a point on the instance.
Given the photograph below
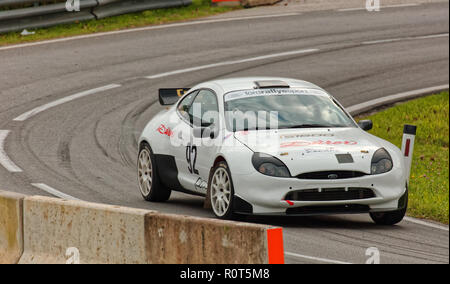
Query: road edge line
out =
(54, 192)
(381, 7)
(319, 259)
(373, 104)
(425, 223)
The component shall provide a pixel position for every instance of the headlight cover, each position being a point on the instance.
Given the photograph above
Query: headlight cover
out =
(381, 162)
(270, 166)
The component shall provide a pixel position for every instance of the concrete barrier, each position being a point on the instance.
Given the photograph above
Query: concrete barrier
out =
(181, 239)
(11, 228)
(58, 231)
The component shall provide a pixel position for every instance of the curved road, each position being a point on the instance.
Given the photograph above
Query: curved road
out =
(83, 142)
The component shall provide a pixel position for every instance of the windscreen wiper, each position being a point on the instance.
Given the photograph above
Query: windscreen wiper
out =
(307, 126)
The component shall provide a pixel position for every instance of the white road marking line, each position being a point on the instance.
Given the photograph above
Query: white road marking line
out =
(427, 224)
(198, 22)
(53, 191)
(225, 63)
(325, 260)
(404, 38)
(42, 108)
(5, 161)
(381, 7)
(384, 100)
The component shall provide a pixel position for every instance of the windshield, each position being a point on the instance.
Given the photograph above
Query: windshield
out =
(282, 109)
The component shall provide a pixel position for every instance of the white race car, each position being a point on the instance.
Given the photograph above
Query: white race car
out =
(269, 146)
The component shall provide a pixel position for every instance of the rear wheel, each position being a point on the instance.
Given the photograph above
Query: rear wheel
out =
(222, 192)
(149, 183)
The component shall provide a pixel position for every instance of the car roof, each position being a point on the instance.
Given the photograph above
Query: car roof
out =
(248, 83)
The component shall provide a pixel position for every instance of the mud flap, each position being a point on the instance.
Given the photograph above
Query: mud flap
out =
(207, 203)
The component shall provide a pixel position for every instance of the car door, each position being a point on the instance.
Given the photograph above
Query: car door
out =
(198, 113)
(182, 146)
(206, 149)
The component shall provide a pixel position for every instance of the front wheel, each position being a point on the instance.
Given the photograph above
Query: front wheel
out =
(392, 217)
(222, 192)
(148, 178)
(388, 218)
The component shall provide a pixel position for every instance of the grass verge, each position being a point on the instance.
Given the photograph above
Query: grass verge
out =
(429, 184)
(198, 9)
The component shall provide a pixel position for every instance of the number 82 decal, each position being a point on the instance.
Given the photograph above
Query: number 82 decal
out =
(191, 158)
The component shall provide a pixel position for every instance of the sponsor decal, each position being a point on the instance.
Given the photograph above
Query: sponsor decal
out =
(181, 92)
(314, 143)
(271, 92)
(292, 136)
(165, 130)
(326, 150)
(201, 185)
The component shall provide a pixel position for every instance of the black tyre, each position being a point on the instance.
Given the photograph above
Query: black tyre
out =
(388, 218)
(391, 217)
(148, 178)
(221, 192)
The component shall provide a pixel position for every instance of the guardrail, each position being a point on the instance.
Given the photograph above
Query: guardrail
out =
(42, 16)
(37, 229)
(254, 3)
(244, 3)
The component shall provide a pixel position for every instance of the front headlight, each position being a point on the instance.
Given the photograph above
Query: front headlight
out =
(269, 165)
(381, 162)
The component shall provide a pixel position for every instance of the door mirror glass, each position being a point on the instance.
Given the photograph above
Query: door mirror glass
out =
(366, 124)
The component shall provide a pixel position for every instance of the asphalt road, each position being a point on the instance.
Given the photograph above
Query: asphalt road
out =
(87, 147)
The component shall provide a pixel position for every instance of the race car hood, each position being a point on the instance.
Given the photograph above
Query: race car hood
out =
(315, 150)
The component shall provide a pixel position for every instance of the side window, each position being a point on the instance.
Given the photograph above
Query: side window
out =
(185, 105)
(205, 109)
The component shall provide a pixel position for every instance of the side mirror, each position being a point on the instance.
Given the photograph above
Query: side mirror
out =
(206, 132)
(366, 124)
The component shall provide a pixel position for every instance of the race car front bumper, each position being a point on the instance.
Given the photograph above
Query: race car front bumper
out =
(265, 195)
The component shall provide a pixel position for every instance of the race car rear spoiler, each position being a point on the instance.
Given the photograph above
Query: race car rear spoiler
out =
(170, 96)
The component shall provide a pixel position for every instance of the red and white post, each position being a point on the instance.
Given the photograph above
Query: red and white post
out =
(409, 135)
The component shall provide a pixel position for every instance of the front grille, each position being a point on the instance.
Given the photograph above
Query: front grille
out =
(340, 209)
(331, 175)
(330, 194)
